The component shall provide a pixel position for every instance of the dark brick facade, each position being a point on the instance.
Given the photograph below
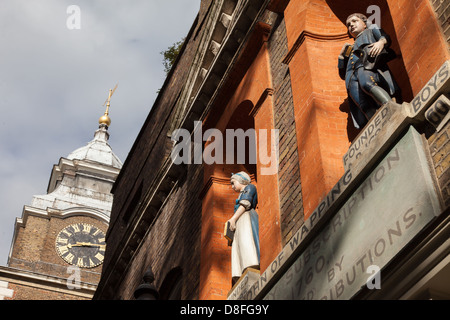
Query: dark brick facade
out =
(442, 9)
(289, 173)
(173, 241)
(173, 222)
(25, 292)
(440, 152)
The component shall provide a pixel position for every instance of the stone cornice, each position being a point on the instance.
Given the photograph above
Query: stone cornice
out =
(50, 212)
(67, 166)
(217, 180)
(267, 92)
(45, 282)
(314, 36)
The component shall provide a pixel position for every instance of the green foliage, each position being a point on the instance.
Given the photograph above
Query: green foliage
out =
(171, 54)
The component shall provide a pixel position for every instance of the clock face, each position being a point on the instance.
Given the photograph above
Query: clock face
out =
(82, 245)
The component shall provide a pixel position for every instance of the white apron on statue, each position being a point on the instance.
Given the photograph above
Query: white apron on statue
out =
(245, 246)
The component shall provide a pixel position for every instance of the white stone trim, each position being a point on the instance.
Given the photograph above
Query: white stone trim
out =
(4, 291)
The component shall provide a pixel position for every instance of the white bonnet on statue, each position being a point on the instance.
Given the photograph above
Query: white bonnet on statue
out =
(242, 177)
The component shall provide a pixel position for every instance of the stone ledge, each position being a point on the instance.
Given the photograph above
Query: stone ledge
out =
(244, 284)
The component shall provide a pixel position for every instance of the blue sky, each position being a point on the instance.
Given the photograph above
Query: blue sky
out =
(54, 81)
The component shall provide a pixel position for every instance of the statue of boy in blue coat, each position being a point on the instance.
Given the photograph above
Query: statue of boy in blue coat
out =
(364, 67)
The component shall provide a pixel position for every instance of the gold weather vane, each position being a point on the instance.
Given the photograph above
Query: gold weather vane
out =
(105, 119)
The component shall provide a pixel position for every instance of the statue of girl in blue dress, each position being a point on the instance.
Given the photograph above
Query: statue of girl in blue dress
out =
(245, 247)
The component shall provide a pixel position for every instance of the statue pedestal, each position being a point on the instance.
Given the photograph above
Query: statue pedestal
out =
(244, 284)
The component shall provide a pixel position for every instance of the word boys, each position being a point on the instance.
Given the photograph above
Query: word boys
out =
(235, 141)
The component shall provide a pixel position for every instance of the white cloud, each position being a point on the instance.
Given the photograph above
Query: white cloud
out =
(53, 82)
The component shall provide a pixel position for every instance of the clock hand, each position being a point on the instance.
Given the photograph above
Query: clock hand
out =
(86, 244)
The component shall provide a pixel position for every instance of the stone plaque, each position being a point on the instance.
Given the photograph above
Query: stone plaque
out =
(388, 120)
(244, 284)
(396, 200)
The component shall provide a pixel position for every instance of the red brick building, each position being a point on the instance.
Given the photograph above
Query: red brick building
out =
(273, 65)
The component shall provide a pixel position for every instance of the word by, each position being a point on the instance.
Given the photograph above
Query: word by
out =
(373, 282)
(74, 280)
(213, 152)
(73, 22)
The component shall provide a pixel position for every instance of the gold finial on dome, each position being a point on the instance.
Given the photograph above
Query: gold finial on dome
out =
(105, 119)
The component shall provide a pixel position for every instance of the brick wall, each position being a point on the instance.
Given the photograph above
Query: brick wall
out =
(442, 9)
(172, 242)
(420, 39)
(215, 273)
(291, 207)
(25, 292)
(314, 36)
(440, 152)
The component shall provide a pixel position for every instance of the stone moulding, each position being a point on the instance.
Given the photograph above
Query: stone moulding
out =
(314, 36)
